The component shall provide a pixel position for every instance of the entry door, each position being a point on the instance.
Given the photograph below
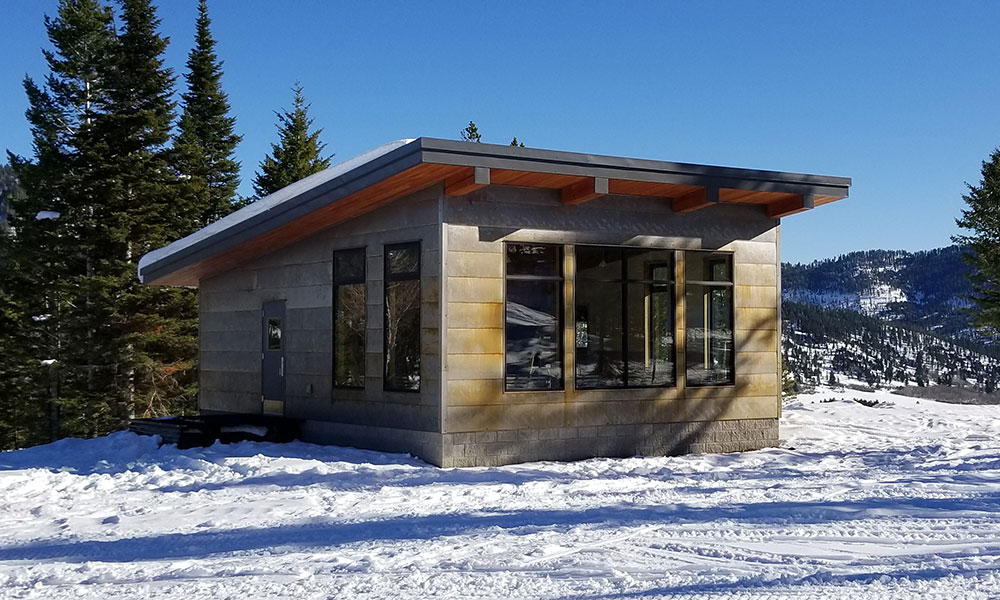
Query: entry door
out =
(272, 357)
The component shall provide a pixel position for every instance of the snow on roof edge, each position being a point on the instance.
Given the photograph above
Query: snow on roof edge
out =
(267, 203)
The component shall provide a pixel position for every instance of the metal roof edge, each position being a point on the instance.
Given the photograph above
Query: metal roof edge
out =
(288, 210)
(527, 156)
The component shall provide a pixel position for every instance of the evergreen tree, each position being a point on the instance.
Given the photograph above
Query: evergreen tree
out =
(982, 220)
(297, 153)
(9, 187)
(206, 143)
(789, 387)
(100, 126)
(516, 143)
(147, 335)
(44, 259)
(471, 133)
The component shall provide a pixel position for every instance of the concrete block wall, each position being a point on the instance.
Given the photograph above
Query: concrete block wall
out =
(302, 275)
(510, 446)
(475, 401)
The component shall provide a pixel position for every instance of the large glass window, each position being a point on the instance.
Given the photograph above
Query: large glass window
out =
(402, 317)
(534, 317)
(709, 313)
(349, 318)
(624, 317)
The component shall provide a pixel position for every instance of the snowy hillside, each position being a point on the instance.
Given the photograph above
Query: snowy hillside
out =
(894, 501)
(921, 289)
(818, 341)
(886, 317)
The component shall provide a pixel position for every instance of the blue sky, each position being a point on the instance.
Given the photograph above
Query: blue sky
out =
(901, 96)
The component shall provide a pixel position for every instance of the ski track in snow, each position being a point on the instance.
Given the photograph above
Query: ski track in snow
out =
(895, 501)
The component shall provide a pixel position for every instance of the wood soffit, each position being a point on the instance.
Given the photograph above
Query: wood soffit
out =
(463, 168)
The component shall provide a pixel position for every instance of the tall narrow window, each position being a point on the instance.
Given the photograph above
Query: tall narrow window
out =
(402, 317)
(534, 317)
(709, 309)
(624, 317)
(349, 318)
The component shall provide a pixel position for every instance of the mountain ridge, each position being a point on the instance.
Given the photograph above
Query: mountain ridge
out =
(886, 317)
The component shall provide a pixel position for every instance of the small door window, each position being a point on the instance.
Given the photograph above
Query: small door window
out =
(274, 334)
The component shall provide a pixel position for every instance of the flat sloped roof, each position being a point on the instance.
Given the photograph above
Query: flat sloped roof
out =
(402, 167)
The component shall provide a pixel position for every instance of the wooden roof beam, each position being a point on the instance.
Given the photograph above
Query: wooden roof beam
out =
(467, 182)
(796, 204)
(586, 190)
(706, 196)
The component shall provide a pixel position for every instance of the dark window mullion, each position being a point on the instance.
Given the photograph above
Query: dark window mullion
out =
(624, 297)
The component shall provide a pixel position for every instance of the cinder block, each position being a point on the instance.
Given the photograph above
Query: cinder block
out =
(527, 434)
(548, 434)
(485, 437)
(567, 433)
(507, 435)
(606, 431)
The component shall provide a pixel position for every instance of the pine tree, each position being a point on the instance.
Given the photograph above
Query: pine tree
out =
(100, 126)
(471, 133)
(44, 260)
(516, 143)
(206, 143)
(982, 220)
(9, 187)
(146, 335)
(297, 153)
(789, 386)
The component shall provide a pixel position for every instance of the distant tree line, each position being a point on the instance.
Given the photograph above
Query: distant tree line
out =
(118, 169)
(824, 346)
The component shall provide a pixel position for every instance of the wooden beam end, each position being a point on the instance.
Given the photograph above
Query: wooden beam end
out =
(696, 200)
(468, 181)
(791, 206)
(585, 191)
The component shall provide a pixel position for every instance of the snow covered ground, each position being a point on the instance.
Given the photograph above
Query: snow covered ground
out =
(899, 500)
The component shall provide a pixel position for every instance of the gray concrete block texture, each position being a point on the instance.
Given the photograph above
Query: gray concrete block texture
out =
(301, 274)
(577, 443)
(439, 425)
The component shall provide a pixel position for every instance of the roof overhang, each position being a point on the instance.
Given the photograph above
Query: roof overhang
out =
(396, 170)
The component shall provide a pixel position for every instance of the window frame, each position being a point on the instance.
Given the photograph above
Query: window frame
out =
(731, 283)
(387, 278)
(561, 317)
(625, 281)
(338, 281)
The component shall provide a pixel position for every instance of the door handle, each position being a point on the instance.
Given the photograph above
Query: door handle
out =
(281, 369)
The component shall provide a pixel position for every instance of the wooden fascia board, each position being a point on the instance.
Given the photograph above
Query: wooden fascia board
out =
(584, 191)
(278, 216)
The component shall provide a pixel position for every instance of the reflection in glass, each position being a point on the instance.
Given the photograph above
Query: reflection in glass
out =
(533, 260)
(709, 310)
(624, 317)
(274, 334)
(533, 357)
(599, 360)
(402, 335)
(349, 336)
(403, 260)
(349, 318)
(650, 334)
(349, 266)
(402, 317)
(533, 317)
